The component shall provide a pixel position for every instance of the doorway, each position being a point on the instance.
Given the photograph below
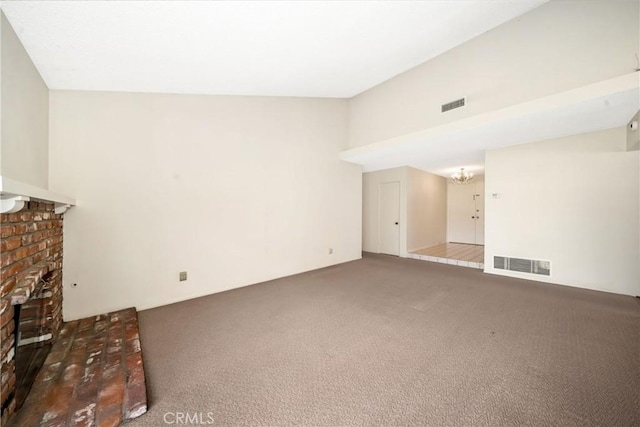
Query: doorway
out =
(465, 228)
(389, 218)
(465, 213)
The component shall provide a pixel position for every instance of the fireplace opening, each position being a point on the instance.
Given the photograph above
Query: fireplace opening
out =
(33, 337)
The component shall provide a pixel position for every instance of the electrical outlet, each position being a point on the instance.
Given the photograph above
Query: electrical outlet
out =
(183, 276)
(330, 251)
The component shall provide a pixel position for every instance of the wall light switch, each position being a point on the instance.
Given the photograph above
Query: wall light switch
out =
(495, 195)
(183, 276)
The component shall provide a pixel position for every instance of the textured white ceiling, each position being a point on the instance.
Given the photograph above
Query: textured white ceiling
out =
(319, 49)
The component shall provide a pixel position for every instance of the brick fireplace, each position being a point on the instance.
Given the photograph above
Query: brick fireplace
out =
(30, 296)
(83, 372)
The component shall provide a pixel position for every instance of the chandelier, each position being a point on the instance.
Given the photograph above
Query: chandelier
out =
(462, 177)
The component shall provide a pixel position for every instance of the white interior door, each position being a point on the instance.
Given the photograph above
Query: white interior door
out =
(479, 216)
(389, 218)
(460, 212)
(465, 213)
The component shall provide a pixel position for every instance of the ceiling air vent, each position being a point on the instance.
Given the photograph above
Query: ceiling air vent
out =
(453, 104)
(522, 265)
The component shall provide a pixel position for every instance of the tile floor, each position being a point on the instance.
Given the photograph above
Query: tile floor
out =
(461, 254)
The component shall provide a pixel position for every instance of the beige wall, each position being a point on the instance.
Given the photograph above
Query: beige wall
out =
(426, 209)
(370, 184)
(573, 201)
(559, 46)
(25, 114)
(234, 190)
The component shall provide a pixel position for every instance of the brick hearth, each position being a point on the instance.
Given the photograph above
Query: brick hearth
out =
(93, 375)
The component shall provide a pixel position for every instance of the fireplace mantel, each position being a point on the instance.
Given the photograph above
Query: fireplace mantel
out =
(14, 194)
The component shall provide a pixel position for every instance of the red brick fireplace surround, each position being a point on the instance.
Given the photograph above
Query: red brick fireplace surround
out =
(30, 251)
(85, 372)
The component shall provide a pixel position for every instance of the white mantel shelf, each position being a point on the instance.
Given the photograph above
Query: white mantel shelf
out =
(14, 194)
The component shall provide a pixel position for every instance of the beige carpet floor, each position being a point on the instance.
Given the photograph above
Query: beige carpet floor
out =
(389, 341)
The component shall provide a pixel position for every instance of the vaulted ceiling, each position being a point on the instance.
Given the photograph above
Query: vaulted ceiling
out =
(303, 49)
(316, 49)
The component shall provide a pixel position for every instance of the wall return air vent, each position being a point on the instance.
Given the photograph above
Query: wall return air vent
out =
(453, 105)
(521, 265)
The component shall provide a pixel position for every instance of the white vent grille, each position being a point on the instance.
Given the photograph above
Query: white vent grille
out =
(453, 105)
(530, 266)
